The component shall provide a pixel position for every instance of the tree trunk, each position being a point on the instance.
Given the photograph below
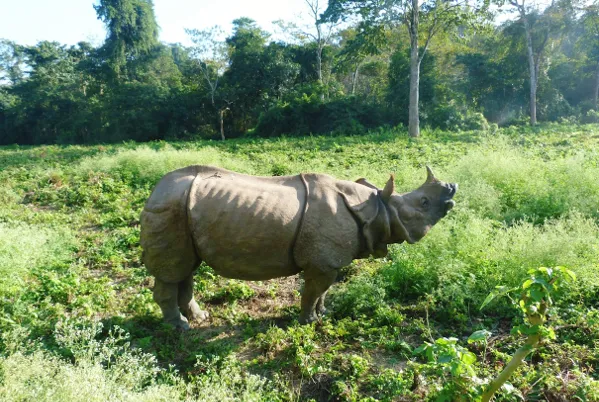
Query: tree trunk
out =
(413, 119)
(319, 69)
(221, 114)
(532, 65)
(355, 79)
(596, 92)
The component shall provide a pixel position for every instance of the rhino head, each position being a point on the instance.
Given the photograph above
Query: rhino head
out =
(412, 215)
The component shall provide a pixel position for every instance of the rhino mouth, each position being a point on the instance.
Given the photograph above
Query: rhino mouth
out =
(449, 202)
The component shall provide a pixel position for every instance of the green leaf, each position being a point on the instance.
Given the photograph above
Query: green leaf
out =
(527, 283)
(480, 335)
(446, 341)
(488, 299)
(537, 295)
(456, 368)
(420, 349)
(569, 273)
(469, 358)
(498, 291)
(445, 358)
(542, 282)
(522, 305)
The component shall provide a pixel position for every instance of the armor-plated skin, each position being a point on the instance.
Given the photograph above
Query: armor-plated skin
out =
(258, 228)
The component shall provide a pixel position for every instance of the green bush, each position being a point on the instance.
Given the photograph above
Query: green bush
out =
(309, 115)
(450, 116)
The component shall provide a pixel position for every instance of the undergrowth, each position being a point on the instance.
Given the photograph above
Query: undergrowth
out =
(78, 321)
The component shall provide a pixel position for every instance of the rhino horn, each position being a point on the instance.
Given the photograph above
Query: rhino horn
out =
(389, 189)
(430, 176)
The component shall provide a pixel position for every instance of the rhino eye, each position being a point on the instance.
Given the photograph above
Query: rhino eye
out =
(424, 202)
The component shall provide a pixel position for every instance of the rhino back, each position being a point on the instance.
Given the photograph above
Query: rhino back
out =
(245, 227)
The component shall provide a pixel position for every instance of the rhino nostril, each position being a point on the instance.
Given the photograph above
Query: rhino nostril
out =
(449, 204)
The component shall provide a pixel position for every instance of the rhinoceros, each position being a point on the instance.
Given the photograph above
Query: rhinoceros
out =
(259, 228)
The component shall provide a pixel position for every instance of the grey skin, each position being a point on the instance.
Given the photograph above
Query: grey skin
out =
(259, 228)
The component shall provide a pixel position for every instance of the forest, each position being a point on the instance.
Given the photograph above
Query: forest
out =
(348, 68)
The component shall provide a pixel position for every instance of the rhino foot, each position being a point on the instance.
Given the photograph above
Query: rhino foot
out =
(195, 313)
(181, 323)
(309, 319)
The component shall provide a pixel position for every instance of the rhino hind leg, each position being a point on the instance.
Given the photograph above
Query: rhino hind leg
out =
(166, 295)
(317, 284)
(189, 307)
(320, 308)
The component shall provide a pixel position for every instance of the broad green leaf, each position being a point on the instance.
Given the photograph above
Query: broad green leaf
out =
(469, 358)
(569, 273)
(456, 368)
(541, 281)
(498, 291)
(480, 335)
(420, 349)
(488, 299)
(446, 341)
(536, 294)
(527, 283)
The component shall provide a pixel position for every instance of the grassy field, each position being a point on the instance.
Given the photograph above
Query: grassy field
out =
(78, 323)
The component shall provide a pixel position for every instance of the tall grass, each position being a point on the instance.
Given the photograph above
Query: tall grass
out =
(25, 248)
(145, 165)
(502, 181)
(91, 367)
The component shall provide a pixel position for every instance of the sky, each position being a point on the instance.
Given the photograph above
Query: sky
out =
(70, 21)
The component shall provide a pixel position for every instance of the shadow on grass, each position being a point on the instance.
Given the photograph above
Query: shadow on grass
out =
(205, 340)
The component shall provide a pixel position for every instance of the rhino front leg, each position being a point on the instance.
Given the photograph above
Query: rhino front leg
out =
(189, 307)
(317, 283)
(165, 294)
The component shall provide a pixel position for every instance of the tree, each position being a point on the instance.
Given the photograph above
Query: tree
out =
(435, 15)
(132, 30)
(11, 63)
(319, 32)
(321, 35)
(258, 75)
(538, 30)
(589, 43)
(212, 57)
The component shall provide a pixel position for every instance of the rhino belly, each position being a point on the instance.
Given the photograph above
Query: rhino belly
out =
(244, 228)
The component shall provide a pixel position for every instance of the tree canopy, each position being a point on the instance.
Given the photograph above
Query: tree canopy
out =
(471, 72)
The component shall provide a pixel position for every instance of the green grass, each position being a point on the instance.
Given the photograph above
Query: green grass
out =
(78, 321)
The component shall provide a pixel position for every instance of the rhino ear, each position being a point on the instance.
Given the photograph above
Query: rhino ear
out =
(389, 189)
(430, 176)
(366, 183)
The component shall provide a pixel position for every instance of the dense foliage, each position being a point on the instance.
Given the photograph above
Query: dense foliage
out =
(134, 87)
(77, 320)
